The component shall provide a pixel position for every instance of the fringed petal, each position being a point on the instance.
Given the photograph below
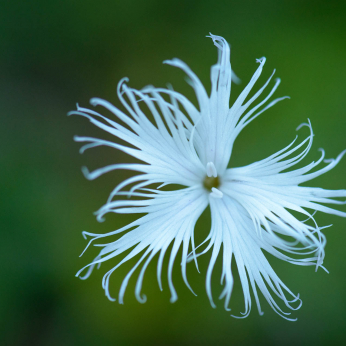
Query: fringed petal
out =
(171, 218)
(232, 228)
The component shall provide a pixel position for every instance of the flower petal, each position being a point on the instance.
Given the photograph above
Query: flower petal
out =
(171, 218)
(220, 124)
(267, 194)
(233, 228)
(165, 148)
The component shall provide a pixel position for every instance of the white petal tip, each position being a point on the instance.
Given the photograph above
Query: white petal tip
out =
(86, 173)
(143, 299)
(261, 60)
(94, 101)
(173, 299)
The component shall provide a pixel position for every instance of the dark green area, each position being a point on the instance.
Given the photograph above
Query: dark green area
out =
(56, 53)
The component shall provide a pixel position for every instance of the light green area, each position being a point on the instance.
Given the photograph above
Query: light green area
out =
(56, 53)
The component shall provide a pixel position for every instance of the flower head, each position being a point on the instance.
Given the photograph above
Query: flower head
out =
(192, 147)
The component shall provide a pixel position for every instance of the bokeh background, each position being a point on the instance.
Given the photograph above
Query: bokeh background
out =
(56, 53)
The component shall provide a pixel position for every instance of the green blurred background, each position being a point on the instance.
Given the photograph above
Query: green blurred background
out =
(56, 53)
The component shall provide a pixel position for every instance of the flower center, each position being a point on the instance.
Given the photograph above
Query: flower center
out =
(210, 182)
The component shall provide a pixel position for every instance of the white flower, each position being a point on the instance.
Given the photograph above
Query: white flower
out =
(192, 147)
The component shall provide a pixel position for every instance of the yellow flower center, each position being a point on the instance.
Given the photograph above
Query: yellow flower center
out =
(210, 182)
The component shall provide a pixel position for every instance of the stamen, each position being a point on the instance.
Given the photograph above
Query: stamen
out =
(216, 193)
(211, 170)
